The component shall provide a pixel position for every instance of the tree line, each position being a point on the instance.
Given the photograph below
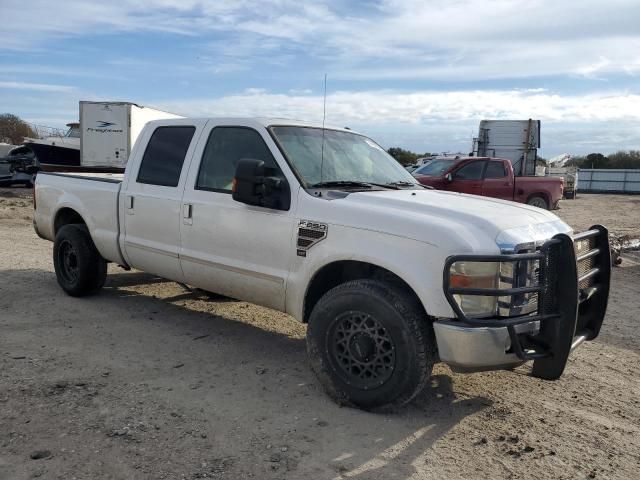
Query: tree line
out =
(620, 159)
(406, 157)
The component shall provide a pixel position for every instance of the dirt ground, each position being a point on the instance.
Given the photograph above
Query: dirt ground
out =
(149, 380)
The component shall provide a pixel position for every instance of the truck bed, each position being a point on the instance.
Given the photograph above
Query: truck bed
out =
(549, 188)
(93, 197)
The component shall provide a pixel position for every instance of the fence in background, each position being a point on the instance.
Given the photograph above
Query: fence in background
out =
(609, 181)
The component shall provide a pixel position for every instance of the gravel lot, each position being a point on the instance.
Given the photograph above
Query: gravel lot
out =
(149, 380)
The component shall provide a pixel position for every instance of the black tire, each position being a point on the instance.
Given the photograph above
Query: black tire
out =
(80, 269)
(371, 344)
(538, 201)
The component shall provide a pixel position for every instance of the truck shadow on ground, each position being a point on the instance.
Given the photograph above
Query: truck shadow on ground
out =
(254, 378)
(375, 451)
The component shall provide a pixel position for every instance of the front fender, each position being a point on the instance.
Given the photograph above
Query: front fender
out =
(419, 264)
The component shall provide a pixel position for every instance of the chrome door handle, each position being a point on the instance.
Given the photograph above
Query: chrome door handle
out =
(128, 204)
(187, 213)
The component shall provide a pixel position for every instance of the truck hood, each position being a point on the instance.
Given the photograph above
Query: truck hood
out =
(432, 215)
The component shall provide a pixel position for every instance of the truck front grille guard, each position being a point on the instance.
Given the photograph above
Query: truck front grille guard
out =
(572, 291)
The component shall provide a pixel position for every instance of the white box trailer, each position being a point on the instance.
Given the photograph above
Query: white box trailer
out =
(108, 131)
(514, 140)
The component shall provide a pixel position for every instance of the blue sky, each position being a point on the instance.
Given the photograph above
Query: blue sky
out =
(415, 74)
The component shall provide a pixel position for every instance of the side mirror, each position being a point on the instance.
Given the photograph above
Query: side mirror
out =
(449, 177)
(253, 185)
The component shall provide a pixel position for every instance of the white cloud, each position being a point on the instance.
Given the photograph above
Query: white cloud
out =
(384, 106)
(445, 121)
(40, 87)
(404, 39)
(421, 120)
(385, 42)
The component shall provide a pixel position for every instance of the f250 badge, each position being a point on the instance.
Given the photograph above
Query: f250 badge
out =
(309, 233)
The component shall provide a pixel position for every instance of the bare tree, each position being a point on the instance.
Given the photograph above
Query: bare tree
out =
(13, 129)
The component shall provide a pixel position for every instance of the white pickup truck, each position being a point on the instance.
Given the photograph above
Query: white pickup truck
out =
(391, 277)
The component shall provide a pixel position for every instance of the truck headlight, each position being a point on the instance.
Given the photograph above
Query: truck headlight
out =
(481, 275)
(511, 287)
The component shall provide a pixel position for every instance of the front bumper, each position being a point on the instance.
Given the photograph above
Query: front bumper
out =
(573, 290)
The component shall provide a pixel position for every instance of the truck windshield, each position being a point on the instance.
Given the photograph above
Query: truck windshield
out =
(435, 168)
(349, 158)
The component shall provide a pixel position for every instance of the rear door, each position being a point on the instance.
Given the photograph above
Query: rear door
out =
(152, 199)
(228, 247)
(468, 178)
(498, 183)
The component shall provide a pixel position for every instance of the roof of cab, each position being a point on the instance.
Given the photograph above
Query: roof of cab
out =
(261, 121)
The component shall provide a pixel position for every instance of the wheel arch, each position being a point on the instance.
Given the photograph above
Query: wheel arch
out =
(66, 216)
(340, 271)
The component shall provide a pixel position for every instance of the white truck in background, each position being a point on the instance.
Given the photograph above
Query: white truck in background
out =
(390, 276)
(108, 131)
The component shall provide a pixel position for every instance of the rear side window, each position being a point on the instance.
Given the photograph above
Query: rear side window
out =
(225, 147)
(495, 170)
(471, 171)
(164, 156)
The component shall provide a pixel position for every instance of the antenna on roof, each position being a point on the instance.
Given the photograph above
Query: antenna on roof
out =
(324, 116)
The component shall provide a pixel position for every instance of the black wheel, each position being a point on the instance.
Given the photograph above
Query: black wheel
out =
(370, 344)
(538, 201)
(80, 269)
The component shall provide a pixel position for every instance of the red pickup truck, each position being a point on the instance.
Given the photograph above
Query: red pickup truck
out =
(490, 177)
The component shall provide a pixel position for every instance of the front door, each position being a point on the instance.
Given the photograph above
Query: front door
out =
(151, 201)
(468, 178)
(228, 247)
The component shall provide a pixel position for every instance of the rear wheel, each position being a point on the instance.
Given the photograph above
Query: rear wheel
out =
(80, 270)
(538, 201)
(370, 344)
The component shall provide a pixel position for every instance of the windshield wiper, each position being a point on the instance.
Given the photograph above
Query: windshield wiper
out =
(403, 183)
(347, 183)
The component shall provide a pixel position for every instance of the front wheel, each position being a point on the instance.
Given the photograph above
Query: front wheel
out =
(80, 270)
(371, 344)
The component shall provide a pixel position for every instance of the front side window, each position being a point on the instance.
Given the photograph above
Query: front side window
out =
(163, 159)
(225, 147)
(471, 171)
(337, 156)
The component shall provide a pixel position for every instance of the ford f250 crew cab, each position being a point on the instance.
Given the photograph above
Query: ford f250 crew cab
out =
(490, 177)
(321, 223)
